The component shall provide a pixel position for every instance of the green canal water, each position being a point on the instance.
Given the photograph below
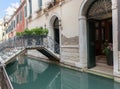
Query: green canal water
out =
(29, 73)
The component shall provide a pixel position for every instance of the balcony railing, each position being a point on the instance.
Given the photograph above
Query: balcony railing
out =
(53, 3)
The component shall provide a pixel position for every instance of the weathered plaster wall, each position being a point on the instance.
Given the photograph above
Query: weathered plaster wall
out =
(70, 55)
(69, 41)
(70, 32)
(67, 13)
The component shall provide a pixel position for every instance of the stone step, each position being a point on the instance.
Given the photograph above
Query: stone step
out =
(101, 64)
(100, 73)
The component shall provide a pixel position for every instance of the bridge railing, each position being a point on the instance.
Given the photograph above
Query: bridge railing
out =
(36, 41)
(28, 41)
(21, 42)
(5, 82)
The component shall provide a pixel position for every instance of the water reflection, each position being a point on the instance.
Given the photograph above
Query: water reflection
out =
(27, 73)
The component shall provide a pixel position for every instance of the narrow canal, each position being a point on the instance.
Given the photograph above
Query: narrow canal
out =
(29, 73)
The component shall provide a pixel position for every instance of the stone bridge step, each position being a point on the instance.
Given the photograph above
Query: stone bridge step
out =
(49, 54)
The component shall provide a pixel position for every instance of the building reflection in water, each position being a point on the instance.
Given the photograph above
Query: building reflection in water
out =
(28, 73)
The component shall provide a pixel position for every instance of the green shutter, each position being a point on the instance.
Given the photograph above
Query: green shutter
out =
(25, 11)
(20, 15)
(17, 19)
(30, 6)
(14, 23)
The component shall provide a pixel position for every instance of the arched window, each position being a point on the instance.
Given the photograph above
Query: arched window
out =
(56, 23)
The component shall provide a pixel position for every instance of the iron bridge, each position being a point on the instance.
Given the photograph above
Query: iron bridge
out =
(14, 46)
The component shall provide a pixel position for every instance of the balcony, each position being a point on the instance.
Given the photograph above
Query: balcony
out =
(52, 3)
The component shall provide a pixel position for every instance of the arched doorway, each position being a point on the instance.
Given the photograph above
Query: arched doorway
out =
(96, 27)
(99, 32)
(56, 35)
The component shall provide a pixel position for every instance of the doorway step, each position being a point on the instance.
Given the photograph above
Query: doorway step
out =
(101, 68)
(101, 60)
(102, 71)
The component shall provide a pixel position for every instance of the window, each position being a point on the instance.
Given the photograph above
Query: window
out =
(40, 3)
(30, 6)
(17, 19)
(100, 9)
(3, 34)
(25, 11)
(20, 15)
(14, 23)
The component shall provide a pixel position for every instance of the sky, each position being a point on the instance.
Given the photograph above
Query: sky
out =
(7, 7)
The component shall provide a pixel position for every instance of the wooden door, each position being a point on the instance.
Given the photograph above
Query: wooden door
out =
(91, 44)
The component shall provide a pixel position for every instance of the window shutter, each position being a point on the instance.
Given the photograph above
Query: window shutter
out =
(30, 6)
(14, 23)
(20, 15)
(25, 11)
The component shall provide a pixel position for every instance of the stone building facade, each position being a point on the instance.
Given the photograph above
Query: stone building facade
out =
(83, 19)
(72, 28)
(80, 27)
(18, 22)
(46, 15)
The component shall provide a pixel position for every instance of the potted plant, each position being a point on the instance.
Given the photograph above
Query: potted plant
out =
(36, 33)
(108, 51)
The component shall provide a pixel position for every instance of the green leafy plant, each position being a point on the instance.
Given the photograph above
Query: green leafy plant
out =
(46, 31)
(18, 34)
(108, 47)
(34, 31)
(27, 32)
(37, 31)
